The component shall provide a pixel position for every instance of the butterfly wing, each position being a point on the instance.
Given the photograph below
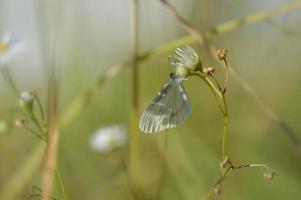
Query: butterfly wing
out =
(168, 109)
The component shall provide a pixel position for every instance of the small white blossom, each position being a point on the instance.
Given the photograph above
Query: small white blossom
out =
(9, 48)
(108, 138)
(184, 56)
(26, 101)
(26, 97)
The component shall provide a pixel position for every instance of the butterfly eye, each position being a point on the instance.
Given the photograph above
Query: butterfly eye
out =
(172, 75)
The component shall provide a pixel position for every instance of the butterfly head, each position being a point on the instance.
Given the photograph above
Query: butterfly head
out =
(176, 77)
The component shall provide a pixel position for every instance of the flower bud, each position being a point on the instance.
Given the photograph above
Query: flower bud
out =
(222, 54)
(187, 57)
(208, 70)
(20, 122)
(26, 101)
(269, 175)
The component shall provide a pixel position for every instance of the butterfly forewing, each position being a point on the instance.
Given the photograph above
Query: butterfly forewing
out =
(168, 109)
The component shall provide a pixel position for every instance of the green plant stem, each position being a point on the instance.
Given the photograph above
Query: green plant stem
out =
(225, 131)
(39, 135)
(274, 23)
(217, 95)
(40, 107)
(9, 79)
(128, 180)
(34, 119)
(61, 182)
(134, 143)
(163, 176)
(259, 16)
(219, 181)
(222, 103)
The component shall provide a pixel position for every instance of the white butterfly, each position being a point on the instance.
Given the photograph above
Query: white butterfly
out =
(168, 109)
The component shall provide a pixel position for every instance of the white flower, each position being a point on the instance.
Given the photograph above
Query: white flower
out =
(26, 101)
(9, 48)
(184, 56)
(108, 138)
(26, 96)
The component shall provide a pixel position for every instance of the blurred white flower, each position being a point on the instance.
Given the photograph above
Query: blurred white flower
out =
(184, 56)
(108, 138)
(26, 97)
(9, 48)
(26, 101)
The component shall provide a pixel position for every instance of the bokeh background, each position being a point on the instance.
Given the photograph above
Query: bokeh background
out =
(97, 35)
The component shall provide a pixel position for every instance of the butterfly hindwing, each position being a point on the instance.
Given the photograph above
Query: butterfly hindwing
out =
(169, 108)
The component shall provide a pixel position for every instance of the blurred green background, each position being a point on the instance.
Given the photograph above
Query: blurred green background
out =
(97, 34)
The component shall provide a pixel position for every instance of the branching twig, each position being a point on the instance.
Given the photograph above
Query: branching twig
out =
(218, 184)
(246, 86)
(273, 23)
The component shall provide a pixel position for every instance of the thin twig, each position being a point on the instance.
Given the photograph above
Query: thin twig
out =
(39, 135)
(218, 184)
(216, 93)
(163, 175)
(61, 183)
(32, 195)
(128, 179)
(9, 79)
(220, 98)
(246, 86)
(134, 133)
(40, 106)
(273, 23)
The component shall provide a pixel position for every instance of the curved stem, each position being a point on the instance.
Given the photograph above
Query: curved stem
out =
(217, 95)
(222, 104)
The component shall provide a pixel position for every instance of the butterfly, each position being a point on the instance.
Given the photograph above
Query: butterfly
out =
(169, 108)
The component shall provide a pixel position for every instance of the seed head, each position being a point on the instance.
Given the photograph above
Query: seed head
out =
(222, 54)
(185, 56)
(26, 101)
(217, 189)
(20, 122)
(208, 70)
(269, 175)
